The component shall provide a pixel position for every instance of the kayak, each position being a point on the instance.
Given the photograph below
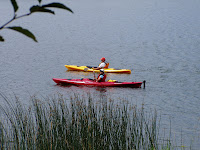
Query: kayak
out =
(92, 82)
(89, 69)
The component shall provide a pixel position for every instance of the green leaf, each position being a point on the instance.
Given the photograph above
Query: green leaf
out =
(23, 31)
(58, 5)
(1, 39)
(39, 1)
(15, 6)
(40, 9)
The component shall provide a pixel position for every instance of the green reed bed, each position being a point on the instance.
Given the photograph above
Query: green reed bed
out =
(77, 123)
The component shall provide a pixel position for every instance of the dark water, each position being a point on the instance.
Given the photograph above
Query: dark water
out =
(159, 40)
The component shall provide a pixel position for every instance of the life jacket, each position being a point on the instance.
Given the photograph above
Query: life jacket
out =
(104, 78)
(107, 64)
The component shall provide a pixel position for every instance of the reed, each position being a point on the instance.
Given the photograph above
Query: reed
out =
(78, 123)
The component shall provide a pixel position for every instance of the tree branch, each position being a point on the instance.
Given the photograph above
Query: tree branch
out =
(14, 18)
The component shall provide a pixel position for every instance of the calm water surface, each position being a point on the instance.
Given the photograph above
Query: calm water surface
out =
(159, 40)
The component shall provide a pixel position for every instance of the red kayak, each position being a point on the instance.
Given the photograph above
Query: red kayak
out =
(91, 82)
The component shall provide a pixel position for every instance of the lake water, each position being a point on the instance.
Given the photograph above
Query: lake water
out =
(159, 40)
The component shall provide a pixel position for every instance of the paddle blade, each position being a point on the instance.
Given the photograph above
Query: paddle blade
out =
(85, 69)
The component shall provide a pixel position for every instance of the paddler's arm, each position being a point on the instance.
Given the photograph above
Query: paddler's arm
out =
(96, 68)
(97, 79)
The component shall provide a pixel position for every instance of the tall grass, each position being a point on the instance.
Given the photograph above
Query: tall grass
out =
(78, 123)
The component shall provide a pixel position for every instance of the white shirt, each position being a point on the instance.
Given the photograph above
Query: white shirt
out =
(102, 65)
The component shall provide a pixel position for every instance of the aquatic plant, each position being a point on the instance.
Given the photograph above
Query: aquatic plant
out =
(77, 123)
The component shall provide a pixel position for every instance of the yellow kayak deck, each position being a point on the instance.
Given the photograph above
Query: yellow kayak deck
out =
(88, 69)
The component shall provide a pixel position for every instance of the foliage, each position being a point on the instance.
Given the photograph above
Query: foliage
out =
(78, 123)
(37, 8)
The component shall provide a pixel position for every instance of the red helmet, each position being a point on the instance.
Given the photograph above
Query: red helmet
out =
(103, 59)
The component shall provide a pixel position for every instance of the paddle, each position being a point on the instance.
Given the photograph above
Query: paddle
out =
(90, 78)
(94, 76)
(86, 69)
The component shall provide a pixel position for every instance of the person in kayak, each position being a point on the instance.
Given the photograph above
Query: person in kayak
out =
(102, 65)
(101, 77)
